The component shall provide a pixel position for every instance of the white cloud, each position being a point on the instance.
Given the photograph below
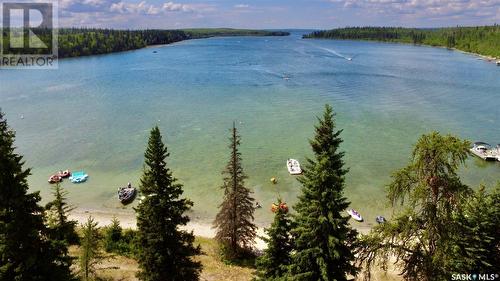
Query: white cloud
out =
(148, 9)
(173, 7)
(426, 9)
(241, 6)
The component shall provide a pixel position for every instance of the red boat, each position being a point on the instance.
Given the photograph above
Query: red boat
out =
(55, 179)
(64, 174)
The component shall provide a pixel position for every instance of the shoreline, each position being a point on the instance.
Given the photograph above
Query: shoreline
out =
(198, 227)
(487, 58)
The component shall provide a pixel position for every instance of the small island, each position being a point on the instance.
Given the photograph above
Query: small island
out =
(481, 40)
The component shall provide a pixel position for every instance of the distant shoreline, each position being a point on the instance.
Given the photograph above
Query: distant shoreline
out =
(487, 58)
(476, 40)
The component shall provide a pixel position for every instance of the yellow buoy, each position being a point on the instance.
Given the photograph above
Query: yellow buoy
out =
(274, 180)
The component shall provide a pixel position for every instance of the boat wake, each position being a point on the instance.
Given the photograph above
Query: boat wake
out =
(335, 53)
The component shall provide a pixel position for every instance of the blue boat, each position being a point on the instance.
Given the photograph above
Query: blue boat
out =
(78, 177)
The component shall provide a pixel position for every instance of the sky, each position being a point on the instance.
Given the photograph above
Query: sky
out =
(276, 14)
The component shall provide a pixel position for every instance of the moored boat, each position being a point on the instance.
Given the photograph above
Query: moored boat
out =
(484, 151)
(355, 215)
(380, 219)
(293, 167)
(78, 177)
(64, 174)
(127, 194)
(55, 179)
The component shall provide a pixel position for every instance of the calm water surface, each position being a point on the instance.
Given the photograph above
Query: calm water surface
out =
(95, 113)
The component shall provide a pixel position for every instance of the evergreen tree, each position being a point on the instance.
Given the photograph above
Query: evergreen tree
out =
(165, 251)
(324, 241)
(26, 252)
(236, 230)
(433, 195)
(90, 250)
(112, 235)
(273, 264)
(57, 211)
(476, 246)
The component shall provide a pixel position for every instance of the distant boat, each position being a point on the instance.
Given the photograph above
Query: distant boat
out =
(380, 219)
(54, 179)
(349, 58)
(293, 167)
(64, 174)
(484, 151)
(355, 215)
(154, 52)
(78, 177)
(498, 62)
(126, 194)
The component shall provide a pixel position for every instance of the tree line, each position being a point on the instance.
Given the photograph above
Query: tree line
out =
(483, 40)
(440, 226)
(76, 42)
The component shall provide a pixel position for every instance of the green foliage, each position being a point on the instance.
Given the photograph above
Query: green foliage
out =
(273, 264)
(484, 40)
(220, 32)
(57, 218)
(324, 241)
(118, 241)
(76, 42)
(477, 243)
(423, 235)
(90, 250)
(26, 251)
(236, 230)
(165, 251)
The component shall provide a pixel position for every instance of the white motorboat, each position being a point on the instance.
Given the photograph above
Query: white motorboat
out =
(484, 151)
(293, 167)
(355, 215)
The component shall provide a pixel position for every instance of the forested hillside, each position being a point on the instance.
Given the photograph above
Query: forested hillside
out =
(75, 42)
(484, 40)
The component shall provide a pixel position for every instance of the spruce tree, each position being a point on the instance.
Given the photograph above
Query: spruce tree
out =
(90, 250)
(60, 227)
(165, 251)
(324, 241)
(26, 252)
(273, 264)
(236, 230)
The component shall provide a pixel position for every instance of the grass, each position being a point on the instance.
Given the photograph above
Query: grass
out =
(120, 268)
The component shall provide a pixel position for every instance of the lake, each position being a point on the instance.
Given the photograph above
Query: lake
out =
(95, 113)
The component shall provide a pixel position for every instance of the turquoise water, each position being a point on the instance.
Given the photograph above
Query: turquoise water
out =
(95, 114)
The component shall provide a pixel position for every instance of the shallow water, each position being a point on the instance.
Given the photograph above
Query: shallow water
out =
(95, 113)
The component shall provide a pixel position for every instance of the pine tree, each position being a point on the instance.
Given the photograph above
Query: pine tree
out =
(90, 250)
(165, 251)
(324, 241)
(57, 211)
(476, 244)
(273, 264)
(26, 252)
(433, 196)
(236, 230)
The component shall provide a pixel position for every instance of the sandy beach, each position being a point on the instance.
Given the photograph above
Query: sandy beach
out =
(199, 228)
